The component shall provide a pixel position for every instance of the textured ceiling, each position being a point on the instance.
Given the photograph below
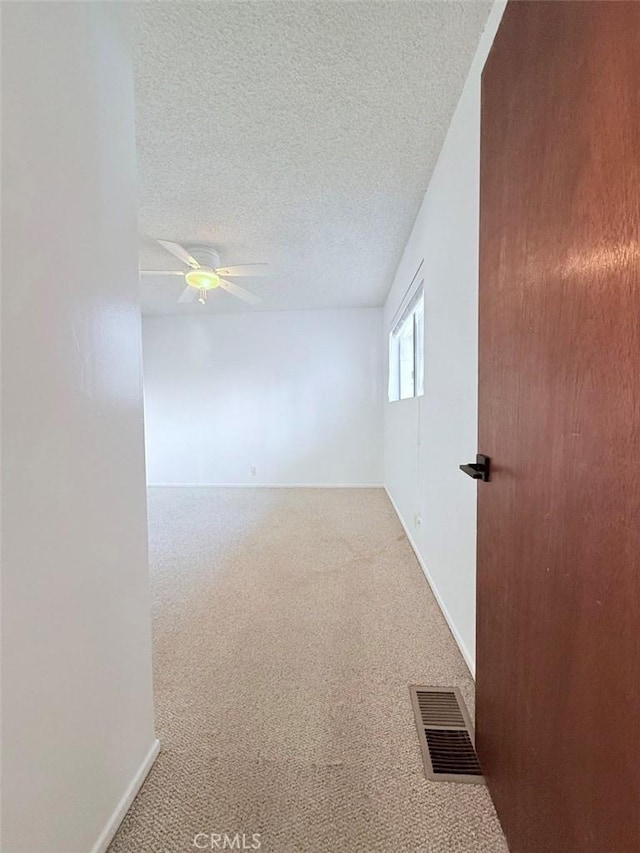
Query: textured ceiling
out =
(298, 133)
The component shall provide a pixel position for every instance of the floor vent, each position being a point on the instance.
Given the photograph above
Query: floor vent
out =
(446, 735)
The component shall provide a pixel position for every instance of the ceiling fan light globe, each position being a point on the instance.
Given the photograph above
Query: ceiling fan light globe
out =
(202, 279)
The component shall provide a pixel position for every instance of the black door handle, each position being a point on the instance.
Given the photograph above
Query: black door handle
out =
(480, 469)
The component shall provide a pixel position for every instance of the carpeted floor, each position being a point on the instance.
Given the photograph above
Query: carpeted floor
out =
(288, 624)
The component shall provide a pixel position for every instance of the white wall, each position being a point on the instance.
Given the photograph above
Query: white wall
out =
(427, 438)
(297, 395)
(76, 651)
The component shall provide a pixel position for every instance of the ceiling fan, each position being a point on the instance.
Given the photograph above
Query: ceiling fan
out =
(206, 274)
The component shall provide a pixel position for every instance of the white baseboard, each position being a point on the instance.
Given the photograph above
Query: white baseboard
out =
(111, 827)
(266, 485)
(468, 659)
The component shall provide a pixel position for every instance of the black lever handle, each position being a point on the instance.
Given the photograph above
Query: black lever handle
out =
(480, 469)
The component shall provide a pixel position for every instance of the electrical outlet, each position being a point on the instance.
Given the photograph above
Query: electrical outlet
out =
(253, 470)
(417, 519)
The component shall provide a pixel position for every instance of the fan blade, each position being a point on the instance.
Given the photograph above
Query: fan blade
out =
(188, 294)
(246, 269)
(161, 272)
(180, 253)
(240, 292)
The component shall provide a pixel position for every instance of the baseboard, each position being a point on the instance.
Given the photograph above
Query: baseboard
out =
(266, 485)
(468, 659)
(111, 827)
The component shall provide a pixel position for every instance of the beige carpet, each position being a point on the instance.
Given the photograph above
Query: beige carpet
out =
(288, 625)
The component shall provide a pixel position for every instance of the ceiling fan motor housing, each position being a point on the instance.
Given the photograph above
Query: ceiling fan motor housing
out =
(205, 256)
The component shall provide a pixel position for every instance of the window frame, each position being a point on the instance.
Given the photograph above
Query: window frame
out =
(411, 306)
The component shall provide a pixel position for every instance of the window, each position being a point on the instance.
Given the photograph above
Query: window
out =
(406, 350)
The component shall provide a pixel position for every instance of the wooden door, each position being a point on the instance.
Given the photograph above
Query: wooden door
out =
(558, 651)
